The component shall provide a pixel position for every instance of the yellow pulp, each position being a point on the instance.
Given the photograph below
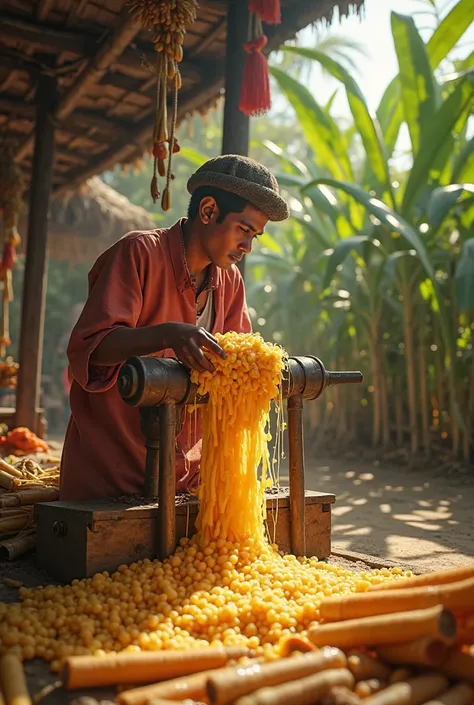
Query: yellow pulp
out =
(227, 584)
(235, 437)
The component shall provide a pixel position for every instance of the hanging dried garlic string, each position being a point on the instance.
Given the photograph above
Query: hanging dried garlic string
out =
(11, 202)
(168, 20)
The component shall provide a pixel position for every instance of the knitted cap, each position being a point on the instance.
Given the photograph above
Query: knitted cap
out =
(246, 178)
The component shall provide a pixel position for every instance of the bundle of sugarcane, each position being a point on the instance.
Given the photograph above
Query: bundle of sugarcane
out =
(21, 486)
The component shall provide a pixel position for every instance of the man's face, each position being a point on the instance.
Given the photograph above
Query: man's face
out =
(225, 243)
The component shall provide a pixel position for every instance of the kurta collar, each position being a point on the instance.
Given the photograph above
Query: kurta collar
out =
(184, 279)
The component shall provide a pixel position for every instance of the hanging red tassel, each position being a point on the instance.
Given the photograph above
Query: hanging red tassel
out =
(255, 96)
(8, 258)
(268, 10)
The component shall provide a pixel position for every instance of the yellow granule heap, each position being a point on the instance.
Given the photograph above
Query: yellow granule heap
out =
(225, 585)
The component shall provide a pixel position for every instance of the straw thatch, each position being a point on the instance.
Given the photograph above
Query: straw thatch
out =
(84, 224)
(101, 60)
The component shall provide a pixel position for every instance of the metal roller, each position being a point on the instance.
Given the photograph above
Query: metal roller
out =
(160, 386)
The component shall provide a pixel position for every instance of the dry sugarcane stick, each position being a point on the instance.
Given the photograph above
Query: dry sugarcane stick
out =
(13, 682)
(18, 545)
(459, 665)
(365, 667)
(10, 469)
(29, 496)
(421, 652)
(12, 583)
(460, 694)
(438, 578)
(399, 675)
(191, 687)
(341, 696)
(457, 597)
(291, 644)
(224, 688)
(7, 481)
(466, 630)
(412, 692)
(393, 628)
(366, 688)
(304, 691)
(143, 667)
(15, 519)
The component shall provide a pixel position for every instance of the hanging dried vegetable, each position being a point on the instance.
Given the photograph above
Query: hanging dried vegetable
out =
(11, 201)
(168, 20)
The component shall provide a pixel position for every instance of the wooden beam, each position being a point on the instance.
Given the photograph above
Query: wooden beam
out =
(80, 122)
(117, 154)
(207, 41)
(110, 50)
(236, 127)
(45, 36)
(43, 8)
(35, 282)
(52, 39)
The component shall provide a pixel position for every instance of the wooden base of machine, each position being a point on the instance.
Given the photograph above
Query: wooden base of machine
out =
(79, 539)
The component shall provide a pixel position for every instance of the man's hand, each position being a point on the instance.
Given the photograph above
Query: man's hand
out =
(188, 342)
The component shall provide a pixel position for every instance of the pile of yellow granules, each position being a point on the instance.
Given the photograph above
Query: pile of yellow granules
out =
(227, 585)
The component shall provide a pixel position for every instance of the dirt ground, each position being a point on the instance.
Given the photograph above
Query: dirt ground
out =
(423, 519)
(383, 514)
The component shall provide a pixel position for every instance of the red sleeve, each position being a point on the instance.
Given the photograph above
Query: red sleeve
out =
(237, 316)
(114, 301)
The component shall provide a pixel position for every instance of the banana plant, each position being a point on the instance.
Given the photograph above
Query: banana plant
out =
(396, 229)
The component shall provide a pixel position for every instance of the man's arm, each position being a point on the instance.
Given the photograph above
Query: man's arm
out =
(123, 343)
(184, 339)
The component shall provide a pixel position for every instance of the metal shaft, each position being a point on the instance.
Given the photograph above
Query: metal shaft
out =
(167, 481)
(296, 461)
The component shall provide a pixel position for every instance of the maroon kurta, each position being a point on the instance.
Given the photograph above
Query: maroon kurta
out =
(140, 281)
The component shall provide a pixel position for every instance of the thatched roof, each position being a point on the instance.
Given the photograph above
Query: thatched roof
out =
(84, 224)
(107, 95)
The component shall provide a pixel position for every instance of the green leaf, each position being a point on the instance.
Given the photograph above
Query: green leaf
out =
(390, 114)
(455, 109)
(442, 41)
(192, 156)
(390, 265)
(464, 162)
(443, 199)
(319, 129)
(464, 277)
(318, 234)
(416, 78)
(341, 250)
(323, 200)
(294, 166)
(291, 180)
(450, 31)
(387, 216)
(360, 112)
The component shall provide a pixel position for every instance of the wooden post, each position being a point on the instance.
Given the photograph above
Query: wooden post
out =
(236, 128)
(35, 282)
(167, 481)
(296, 461)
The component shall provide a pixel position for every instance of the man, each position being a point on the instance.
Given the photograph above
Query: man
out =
(161, 293)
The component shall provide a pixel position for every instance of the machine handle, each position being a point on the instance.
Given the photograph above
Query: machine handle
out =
(344, 377)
